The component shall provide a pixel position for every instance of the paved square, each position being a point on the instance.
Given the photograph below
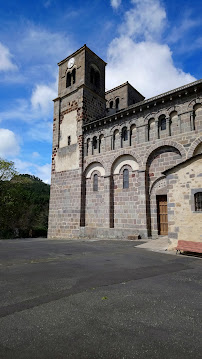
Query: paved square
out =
(101, 299)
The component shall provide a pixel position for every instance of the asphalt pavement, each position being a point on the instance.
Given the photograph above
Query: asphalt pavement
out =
(97, 299)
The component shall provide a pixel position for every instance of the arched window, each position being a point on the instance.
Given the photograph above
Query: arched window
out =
(68, 83)
(163, 124)
(74, 76)
(198, 201)
(94, 142)
(95, 76)
(111, 104)
(124, 134)
(125, 178)
(95, 182)
(117, 103)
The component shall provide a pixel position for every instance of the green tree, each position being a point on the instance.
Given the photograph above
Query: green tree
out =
(24, 204)
(7, 170)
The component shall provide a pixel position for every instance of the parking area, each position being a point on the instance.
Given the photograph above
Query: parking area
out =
(97, 299)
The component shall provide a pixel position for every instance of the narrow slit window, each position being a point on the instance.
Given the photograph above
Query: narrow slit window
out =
(68, 79)
(69, 140)
(125, 178)
(94, 143)
(198, 201)
(95, 77)
(163, 124)
(74, 76)
(125, 134)
(95, 183)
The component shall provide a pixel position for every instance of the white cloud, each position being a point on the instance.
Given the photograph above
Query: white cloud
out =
(42, 97)
(148, 66)
(35, 154)
(6, 63)
(145, 20)
(44, 172)
(41, 171)
(9, 145)
(43, 47)
(47, 3)
(138, 54)
(115, 3)
(38, 108)
(41, 131)
(181, 30)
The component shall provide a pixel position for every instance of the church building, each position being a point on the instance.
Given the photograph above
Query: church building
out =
(112, 152)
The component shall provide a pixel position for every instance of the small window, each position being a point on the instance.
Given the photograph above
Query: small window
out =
(117, 103)
(69, 140)
(163, 124)
(125, 178)
(95, 143)
(74, 76)
(95, 76)
(198, 201)
(124, 134)
(95, 183)
(111, 104)
(68, 79)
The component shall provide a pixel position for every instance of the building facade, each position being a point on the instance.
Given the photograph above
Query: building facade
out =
(110, 151)
(184, 184)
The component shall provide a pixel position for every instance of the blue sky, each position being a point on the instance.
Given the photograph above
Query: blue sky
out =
(155, 45)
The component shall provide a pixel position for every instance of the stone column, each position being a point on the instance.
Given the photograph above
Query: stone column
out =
(168, 126)
(157, 129)
(147, 132)
(142, 210)
(91, 144)
(137, 134)
(180, 123)
(107, 201)
(192, 127)
(85, 149)
(127, 143)
(121, 139)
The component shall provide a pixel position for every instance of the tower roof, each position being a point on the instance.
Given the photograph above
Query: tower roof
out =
(84, 47)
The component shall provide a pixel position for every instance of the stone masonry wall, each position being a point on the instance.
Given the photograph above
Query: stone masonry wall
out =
(126, 200)
(183, 182)
(95, 203)
(153, 153)
(65, 204)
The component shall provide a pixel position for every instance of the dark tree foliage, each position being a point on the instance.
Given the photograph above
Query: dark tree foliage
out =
(24, 204)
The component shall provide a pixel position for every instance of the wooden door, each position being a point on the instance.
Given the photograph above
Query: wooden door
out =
(162, 215)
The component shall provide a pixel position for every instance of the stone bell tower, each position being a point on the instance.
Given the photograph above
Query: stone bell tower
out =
(81, 99)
